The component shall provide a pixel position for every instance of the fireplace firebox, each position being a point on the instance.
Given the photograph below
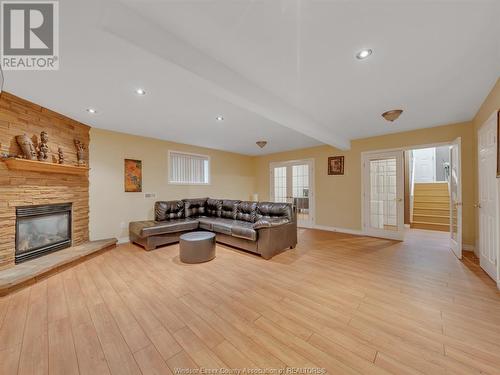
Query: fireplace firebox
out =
(41, 230)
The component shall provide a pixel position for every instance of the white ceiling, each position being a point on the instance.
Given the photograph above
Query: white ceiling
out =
(283, 71)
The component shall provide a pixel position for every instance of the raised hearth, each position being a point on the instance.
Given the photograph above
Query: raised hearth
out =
(42, 229)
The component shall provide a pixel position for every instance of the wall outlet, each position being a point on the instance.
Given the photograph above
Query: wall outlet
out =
(123, 225)
(149, 195)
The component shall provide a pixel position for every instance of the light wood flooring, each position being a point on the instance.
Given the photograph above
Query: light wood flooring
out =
(351, 305)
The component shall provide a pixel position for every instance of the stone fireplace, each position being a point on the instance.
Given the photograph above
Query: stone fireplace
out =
(23, 237)
(42, 229)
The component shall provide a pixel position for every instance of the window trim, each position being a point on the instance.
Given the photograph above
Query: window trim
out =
(169, 176)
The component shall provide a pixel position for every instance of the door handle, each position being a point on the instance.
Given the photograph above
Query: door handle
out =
(398, 199)
(477, 205)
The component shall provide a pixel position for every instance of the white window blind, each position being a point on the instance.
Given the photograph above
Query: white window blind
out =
(187, 168)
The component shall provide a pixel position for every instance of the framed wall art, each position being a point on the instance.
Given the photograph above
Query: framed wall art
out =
(133, 176)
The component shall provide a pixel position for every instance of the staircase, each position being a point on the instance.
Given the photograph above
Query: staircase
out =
(431, 206)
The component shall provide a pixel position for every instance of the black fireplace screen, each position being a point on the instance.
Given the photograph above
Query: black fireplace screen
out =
(42, 229)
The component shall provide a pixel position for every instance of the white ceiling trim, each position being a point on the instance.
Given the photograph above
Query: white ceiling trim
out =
(210, 75)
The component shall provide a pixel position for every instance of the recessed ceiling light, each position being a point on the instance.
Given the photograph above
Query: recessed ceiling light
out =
(140, 92)
(219, 118)
(364, 53)
(91, 110)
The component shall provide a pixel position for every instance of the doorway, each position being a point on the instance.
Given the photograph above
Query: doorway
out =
(427, 187)
(487, 205)
(293, 182)
(388, 190)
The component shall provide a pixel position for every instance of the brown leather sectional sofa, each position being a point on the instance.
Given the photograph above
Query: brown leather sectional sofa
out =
(264, 228)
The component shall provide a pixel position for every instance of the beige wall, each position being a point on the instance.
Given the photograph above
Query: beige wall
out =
(338, 198)
(111, 209)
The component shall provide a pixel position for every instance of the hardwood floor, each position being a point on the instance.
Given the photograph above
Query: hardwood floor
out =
(351, 305)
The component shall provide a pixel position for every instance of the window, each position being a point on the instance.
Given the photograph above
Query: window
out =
(187, 168)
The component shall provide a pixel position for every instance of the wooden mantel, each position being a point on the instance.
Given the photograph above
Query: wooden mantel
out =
(43, 167)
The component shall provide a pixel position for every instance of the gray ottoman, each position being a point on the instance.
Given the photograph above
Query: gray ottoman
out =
(197, 247)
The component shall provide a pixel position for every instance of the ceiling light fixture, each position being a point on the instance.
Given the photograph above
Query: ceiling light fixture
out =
(91, 110)
(392, 115)
(140, 92)
(261, 144)
(364, 53)
(219, 118)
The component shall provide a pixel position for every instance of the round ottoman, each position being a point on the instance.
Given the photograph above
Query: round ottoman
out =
(197, 247)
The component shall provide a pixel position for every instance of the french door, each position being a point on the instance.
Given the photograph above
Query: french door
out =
(383, 192)
(292, 182)
(488, 197)
(455, 187)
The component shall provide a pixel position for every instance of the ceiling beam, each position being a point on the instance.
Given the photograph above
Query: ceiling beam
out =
(210, 75)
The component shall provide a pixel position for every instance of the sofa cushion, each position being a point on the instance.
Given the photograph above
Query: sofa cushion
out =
(270, 222)
(243, 229)
(166, 210)
(207, 222)
(222, 225)
(195, 207)
(229, 207)
(268, 210)
(153, 228)
(246, 211)
(214, 207)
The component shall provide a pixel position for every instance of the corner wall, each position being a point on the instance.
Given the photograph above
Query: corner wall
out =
(111, 209)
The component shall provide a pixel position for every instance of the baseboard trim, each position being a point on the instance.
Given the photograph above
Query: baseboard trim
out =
(466, 247)
(339, 230)
(123, 240)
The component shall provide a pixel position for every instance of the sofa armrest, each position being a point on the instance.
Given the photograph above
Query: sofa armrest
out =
(269, 223)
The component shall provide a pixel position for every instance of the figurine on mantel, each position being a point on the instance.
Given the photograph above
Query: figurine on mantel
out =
(61, 155)
(43, 148)
(27, 147)
(80, 153)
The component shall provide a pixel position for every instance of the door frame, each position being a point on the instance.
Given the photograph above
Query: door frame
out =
(458, 248)
(494, 118)
(399, 234)
(312, 191)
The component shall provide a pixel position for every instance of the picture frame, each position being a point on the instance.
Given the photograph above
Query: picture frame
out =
(336, 165)
(133, 176)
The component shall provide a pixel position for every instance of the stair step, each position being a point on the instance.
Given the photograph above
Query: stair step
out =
(434, 193)
(433, 219)
(431, 210)
(431, 185)
(430, 226)
(430, 198)
(432, 205)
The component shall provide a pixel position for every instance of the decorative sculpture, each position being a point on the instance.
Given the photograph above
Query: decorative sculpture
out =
(80, 152)
(43, 148)
(27, 147)
(61, 155)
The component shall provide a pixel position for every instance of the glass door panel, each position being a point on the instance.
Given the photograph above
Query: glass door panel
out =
(300, 191)
(291, 182)
(383, 195)
(280, 184)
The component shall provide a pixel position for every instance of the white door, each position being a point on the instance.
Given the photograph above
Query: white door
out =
(455, 187)
(488, 198)
(292, 182)
(424, 160)
(383, 192)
